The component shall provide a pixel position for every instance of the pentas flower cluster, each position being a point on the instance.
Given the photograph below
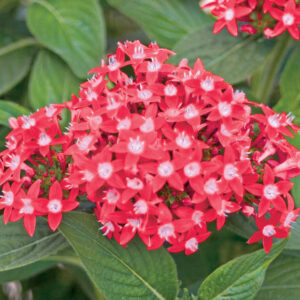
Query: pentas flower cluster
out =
(161, 151)
(272, 17)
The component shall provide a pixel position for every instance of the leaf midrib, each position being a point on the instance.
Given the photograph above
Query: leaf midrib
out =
(153, 290)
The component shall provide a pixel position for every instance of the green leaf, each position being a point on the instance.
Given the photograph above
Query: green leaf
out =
(73, 29)
(165, 21)
(15, 60)
(234, 58)
(26, 271)
(17, 249)
(282, 280)
(294, 240)
(118, 272)
(241, 278)
(10, 109)
(51, 81)
(290, 87)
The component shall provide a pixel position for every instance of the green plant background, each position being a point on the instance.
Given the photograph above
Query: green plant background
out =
(46, 49)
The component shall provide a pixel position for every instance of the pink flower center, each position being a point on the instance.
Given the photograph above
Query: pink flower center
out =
(154, 66)
(197, 217)
(165, 231)
(105, 170)
(192, 244)
(230, 171)
(112, 104)
(14, 162)
(136, 146)
(165, 169)
(8, 198)
(113, 64)
(271, 191)
(138, 53)
(192, 169)
(288, 19)
(268, 230)
(84, 144)
(28, 122)
(107, 228)
(140, 207)
(87, 175)
(50, 111)
(91, 95)
(289, 219)
(54, 206)
(274, 121)
(210, 186)
(134, 223)
(224, 109)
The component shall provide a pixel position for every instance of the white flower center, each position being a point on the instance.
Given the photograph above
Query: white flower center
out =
(192, 169)
(87, 175)
(153, 66)
(44, 139)
(124, 124)
(229, 14)
(14, 163)
(135, 223)
(140, 207)
(271, 191)
(136, 146)
(268, 230)
(107, 228)
(224, 109)
(28, 122)
(165, 169)
(54, 206)
(190, 112)
(197, 217)
(288, 19)
(225, 131)
(27, 208)
(135, 183)
(192, 244)
(113, 64)
(148, 125)
(105, 170)
(95, 81)
(210, 186)
(289, 219)
(165, 231)
(112, 104)
(230, 171)
(8, 198)
(274, 121)
(112, 196)
(208, 84)
(91, 95)
(138, 52)
(144, 94)
(84, 144)
(183, 140)
(50, 110)
(170, 90)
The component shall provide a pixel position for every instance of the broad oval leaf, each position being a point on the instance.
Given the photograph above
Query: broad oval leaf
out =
(282, 280)
(241, 278)
(120, 273)
(10, 109)
(15, 60)
(294, 240)
(73, 29)
(17, 249)
(234, 58)
(165, 21)
(51, 81)
(290, 87)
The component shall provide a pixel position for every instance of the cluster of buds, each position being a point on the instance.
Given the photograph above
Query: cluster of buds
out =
(272, 17)
(160, 150)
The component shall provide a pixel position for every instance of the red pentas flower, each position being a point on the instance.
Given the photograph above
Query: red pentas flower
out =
(158, 154)
(255, 16)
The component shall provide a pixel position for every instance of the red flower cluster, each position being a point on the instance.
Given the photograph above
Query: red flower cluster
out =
(161, 151)
(256, 16)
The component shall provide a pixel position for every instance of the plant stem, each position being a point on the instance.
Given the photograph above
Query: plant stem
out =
(265, 79)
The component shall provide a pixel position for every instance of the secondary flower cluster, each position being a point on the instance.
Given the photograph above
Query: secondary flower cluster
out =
(256, 16)
(161, 150)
